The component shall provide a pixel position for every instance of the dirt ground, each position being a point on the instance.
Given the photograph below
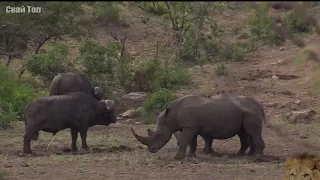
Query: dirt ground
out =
(116, 154)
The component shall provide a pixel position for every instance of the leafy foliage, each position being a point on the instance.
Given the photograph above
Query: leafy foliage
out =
(106, 12)
(13, 98)
(157, 8)
(295, 24)
(48, 64)
(157, 101)
(261, 29)
(99, 62)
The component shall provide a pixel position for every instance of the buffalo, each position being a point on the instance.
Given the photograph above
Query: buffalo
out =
(216, 117)
(76, 110)
(74, 82)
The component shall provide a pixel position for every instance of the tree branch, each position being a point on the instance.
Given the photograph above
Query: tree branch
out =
(171, 17)
(44, 40)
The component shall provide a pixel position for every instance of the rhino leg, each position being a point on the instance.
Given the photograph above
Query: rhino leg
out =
(74, 137)
(185, 137)
(208, 145)
(253, 127)
(251, 150)
(193, 147)
(245, 142)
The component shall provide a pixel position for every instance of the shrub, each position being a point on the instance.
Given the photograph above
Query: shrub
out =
(295, 24)
(14, 96)
(98, 61)
(46, 65)
(159, 76)
(106, 12)
(261, 29)
(156, 102)
(157, 8)
(235, 53)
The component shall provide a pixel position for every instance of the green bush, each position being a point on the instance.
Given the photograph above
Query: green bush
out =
(99, 63)
(188, 50)
(295, 24)
(160, 76)
(156, 102)
(157, 8)
(234, 52)
(46, 65)
(105, 12)
(14, 96)
(261, 29)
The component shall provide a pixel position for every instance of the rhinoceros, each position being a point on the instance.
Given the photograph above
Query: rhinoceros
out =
(74, 82)
(217, 117)
(76, 110)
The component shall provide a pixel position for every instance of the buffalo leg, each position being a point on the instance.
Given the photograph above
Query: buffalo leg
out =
(254, 128)
(193, 147)
(207, 145)
(245, 143)
(74, 137)
(26, 143)
(185, 137)
(83, 135)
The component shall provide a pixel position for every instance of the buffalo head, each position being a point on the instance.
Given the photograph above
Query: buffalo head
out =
(109, 113)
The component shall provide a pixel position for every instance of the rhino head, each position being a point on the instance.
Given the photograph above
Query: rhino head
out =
(161, 135)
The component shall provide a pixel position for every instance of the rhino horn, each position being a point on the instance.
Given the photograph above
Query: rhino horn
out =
(109, 104)
(143, 140)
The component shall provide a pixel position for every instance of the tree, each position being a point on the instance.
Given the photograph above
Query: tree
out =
(56, 21)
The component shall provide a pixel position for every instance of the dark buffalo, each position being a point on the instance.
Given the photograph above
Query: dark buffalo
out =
(77, 111)
(216, 117)
(74, 82)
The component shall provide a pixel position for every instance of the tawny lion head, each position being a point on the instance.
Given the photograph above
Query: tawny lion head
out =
(302, 167)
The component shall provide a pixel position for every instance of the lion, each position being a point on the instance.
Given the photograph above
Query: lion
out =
(302, 167)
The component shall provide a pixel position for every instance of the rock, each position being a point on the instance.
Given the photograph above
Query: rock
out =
(297, 102)
(275, 78)
(282, 49)
(255, 63)
(281, 62)
(132, 100)
(272, 105)
(294, 107)
(129, 113)
(286, 92)
(304, 116)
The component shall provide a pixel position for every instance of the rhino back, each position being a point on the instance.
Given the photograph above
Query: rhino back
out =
(210, 114)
